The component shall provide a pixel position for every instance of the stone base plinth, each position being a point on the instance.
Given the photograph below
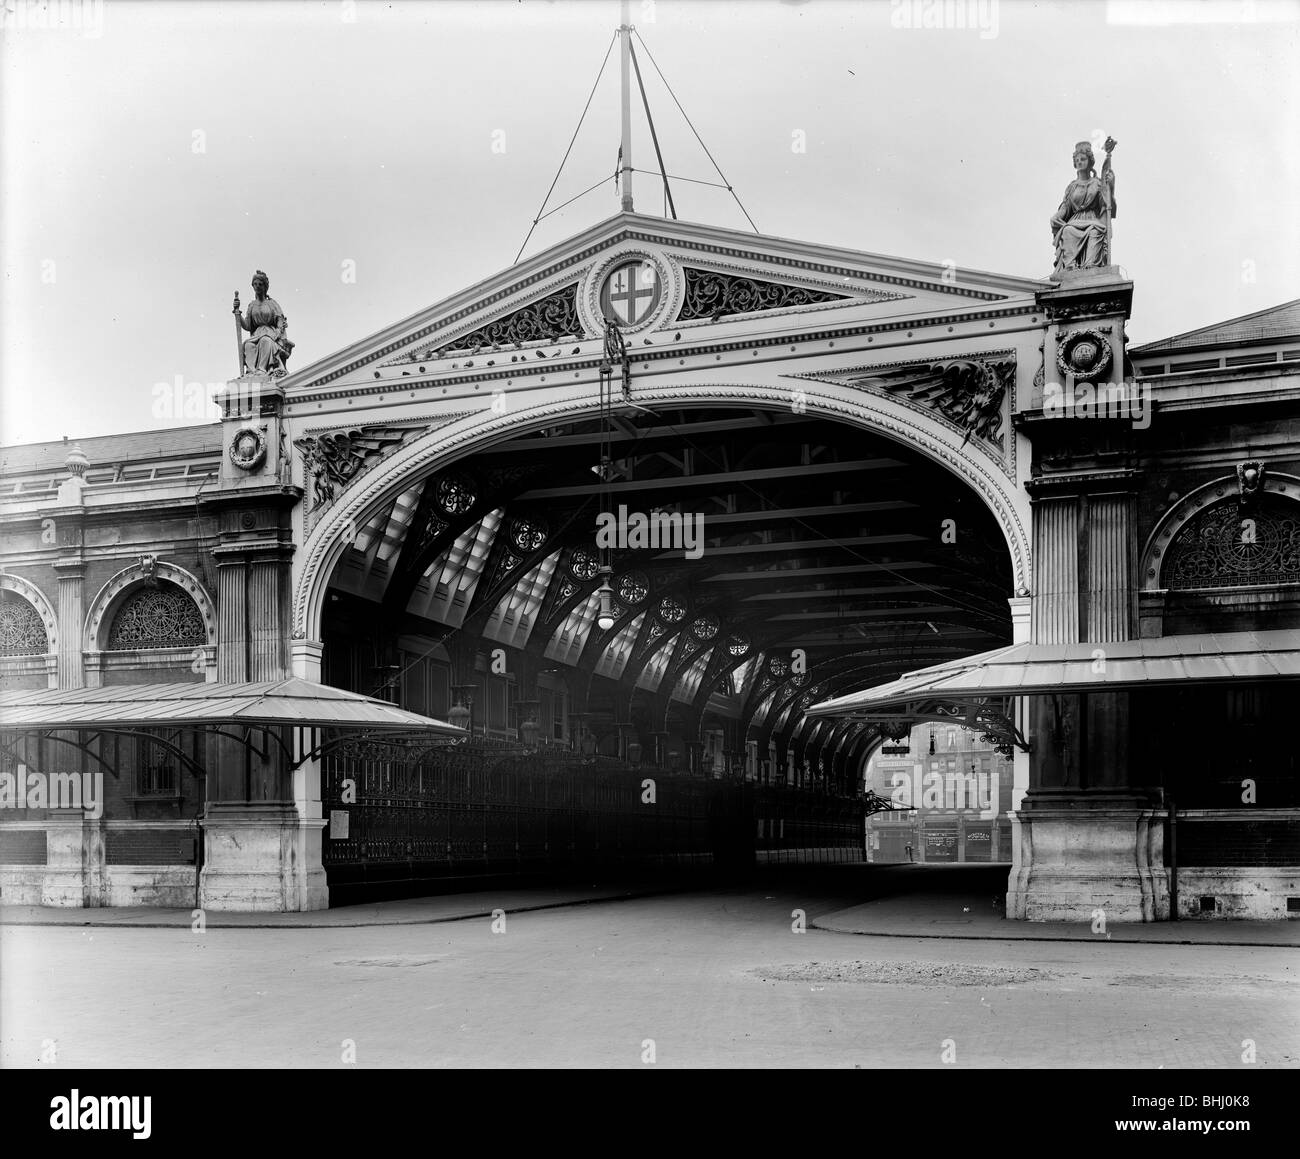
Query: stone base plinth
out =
(1249, 894)
(74, 859)
(262, 858)
(1087, 277)
(1077, 854)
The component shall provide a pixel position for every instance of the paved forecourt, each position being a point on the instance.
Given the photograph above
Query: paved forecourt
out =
(719, 978)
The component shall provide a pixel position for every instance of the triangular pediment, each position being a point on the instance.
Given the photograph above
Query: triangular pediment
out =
(662, 281)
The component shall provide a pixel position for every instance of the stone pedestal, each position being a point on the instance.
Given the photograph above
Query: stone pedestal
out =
(262, 858)
(74, 859)
(1076, 853)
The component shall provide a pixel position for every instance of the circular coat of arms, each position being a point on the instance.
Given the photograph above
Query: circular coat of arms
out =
(1084, 353)
(248, 448)
(631, 293)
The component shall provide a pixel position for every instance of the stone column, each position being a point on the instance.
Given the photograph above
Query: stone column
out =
(262, 824)
(1084, 838)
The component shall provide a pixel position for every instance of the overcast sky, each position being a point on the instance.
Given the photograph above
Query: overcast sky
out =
(150, 163)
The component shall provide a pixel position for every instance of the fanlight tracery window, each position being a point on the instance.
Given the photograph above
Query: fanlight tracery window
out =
(157, 617)
(1225, 546)
(22, 631)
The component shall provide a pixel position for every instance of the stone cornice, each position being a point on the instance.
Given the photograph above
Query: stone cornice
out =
(645, 356)
(245, 551)
(1102, 480)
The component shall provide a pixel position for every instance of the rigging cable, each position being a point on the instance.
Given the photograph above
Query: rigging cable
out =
(650, 57)
(668, 193)
(569, 150)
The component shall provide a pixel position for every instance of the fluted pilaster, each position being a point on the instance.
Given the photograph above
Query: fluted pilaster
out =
(1110, 568)
(72, 610)
(1056, 571)
(268, 632)
(232, 618)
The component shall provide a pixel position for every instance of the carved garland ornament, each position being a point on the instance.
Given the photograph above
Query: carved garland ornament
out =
(248, 447)
(1084, 353)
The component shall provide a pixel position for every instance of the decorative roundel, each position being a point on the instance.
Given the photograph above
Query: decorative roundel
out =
(631, 293)
(705, 626)
(584, 565)
(799, 679)
(455, 495)
(737, 645)
(633, 587)
(248, 448)
(671, 610)
(778, 666)
(527, 534)
(1084, 353)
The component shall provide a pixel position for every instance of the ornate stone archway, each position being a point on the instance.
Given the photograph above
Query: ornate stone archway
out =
(931, 436)
(100, 617)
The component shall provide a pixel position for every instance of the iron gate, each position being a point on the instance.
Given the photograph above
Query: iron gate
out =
(399, 815)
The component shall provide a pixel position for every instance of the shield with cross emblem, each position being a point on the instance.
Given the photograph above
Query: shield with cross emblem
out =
(631, 293)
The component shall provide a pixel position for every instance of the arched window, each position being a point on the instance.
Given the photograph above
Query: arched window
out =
(157, 617)
(22, 631)
(1224, 546)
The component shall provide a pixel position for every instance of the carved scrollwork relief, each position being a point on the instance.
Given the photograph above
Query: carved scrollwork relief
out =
(335, 459)
(546, 320)
(713, 295)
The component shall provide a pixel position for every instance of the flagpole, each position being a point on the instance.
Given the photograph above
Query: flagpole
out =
(625, 171)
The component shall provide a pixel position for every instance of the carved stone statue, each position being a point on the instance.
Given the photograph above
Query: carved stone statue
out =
(267, 351)
(1081, 226)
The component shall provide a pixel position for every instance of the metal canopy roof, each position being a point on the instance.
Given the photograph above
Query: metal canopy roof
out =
(293, 702)
(1038, 669)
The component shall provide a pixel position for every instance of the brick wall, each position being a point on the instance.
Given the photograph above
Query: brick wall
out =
(147, 846)
(22, 847)
(1266, 842)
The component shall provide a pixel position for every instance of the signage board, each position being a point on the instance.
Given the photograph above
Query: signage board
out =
(941, 845)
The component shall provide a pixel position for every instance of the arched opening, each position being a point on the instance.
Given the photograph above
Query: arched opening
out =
(759, 560)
